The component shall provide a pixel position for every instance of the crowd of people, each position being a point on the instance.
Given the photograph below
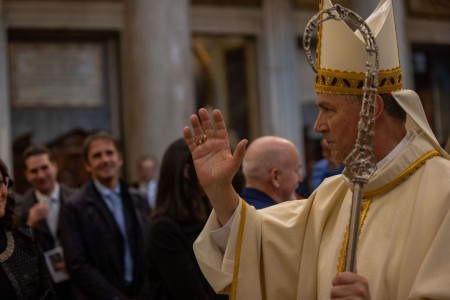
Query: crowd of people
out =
(111, 240)
(107, 239)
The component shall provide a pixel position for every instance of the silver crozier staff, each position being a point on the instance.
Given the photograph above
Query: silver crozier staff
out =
(359, 162)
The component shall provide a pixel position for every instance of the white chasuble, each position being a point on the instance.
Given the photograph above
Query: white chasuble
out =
(292, 250)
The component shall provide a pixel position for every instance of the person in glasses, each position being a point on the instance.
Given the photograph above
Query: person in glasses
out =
(23, 272)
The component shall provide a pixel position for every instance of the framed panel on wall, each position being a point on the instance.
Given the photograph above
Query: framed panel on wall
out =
(64, 84)
(226, 78)
(56, 74)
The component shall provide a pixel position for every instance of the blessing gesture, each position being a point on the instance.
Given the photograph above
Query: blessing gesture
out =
(214, 162)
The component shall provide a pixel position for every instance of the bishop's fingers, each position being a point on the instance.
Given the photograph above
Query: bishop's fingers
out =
(207, 125)
(189, 139)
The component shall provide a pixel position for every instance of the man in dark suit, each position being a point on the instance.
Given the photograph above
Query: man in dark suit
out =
(102, 228)
(40, 208)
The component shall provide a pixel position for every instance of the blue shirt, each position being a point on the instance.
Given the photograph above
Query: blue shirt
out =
(113, 200)
(321, 171)
(257, 198)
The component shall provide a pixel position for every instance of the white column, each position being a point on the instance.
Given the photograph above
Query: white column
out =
(5, 122)
(158, 83)
(279, 71)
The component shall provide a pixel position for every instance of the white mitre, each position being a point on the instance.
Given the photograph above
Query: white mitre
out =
(342, 56)
(341, 64)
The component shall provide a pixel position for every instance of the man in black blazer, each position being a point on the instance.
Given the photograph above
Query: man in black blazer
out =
(40, 208)
(102, 228)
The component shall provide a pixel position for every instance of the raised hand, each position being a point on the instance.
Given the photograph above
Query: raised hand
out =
(214, 163)
(36, 213)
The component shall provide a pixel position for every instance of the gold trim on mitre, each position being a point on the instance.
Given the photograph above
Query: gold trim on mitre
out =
(342, 56)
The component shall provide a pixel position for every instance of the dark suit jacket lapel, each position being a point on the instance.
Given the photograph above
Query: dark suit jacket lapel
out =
(131, 221)
(108, 225)
(64, 194)
(95, 199)
(134, 232)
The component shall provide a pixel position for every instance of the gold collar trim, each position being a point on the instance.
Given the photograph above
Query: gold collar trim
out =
(368, 199)
(403, 176)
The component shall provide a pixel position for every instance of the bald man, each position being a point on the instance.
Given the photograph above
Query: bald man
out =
(271, 168)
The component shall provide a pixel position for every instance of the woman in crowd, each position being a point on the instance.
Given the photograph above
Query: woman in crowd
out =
(23, 273)
(180, 214)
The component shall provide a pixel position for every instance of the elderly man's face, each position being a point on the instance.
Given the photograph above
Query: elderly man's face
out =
(290, 176)
(338, 122)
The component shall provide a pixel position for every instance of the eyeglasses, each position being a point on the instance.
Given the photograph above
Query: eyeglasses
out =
(6, 182)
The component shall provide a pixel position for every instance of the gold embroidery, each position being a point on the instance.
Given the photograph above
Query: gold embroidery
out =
(404, 175)
(365, 208)
(237, 258)
(343, 82)
(368, 198)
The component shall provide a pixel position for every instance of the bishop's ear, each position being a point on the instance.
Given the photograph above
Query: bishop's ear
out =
(379, 106)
